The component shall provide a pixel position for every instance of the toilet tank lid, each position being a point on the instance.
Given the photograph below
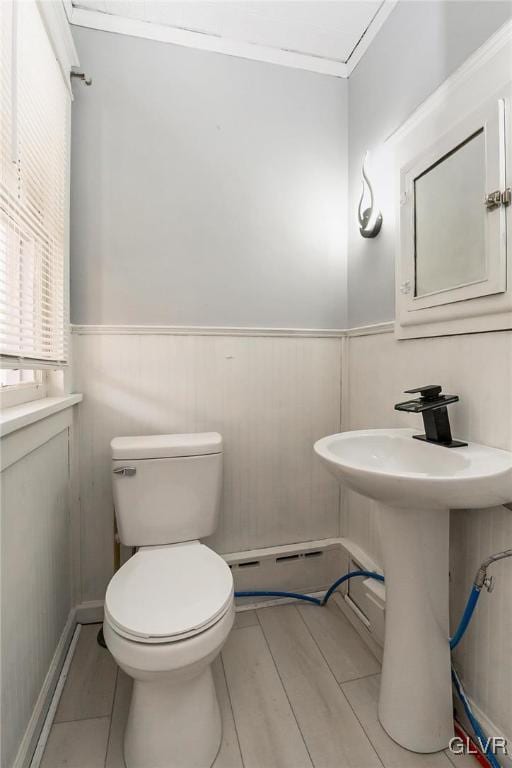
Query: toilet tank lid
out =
(166, 446)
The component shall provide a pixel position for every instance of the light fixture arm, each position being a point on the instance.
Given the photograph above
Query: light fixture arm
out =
(370, 189)
(370, 220)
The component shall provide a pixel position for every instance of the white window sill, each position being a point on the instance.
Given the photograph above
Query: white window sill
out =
(19, 416)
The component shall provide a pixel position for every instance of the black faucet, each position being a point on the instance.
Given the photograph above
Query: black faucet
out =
(432, 406)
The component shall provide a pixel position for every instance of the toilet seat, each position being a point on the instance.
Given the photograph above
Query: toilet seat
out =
(168, 593)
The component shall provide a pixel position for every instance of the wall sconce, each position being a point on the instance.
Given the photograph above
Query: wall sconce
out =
(370, 220)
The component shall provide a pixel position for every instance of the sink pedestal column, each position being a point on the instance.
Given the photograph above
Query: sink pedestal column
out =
(415, 705)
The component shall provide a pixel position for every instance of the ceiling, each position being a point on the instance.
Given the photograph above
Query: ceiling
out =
(324, 35)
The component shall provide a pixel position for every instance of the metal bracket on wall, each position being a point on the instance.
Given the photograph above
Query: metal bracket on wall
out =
(80, 76)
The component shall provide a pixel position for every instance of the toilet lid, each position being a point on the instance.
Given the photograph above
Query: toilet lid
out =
(168, 593)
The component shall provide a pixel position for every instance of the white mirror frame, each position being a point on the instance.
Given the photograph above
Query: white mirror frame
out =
(478, 95)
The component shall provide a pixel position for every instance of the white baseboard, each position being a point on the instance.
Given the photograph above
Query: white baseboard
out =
(47, 725)
(44, 700)
(362, 630)
(305, 567)
(90, 612)
(488, 728)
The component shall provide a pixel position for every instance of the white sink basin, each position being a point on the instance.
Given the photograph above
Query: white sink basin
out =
(416, 484)
(389, 466)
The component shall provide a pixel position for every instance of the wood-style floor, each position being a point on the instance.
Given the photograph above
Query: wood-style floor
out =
(296, 685)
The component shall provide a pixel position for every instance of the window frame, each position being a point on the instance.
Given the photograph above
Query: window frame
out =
(57, 28)
(24, 391)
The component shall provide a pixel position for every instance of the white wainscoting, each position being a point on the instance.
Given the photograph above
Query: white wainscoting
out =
(485, 654)
(36, 582)
(478, 368)
(270, 396)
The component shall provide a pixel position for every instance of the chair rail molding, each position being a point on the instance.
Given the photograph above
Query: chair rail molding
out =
(198, 330)
(202, 330)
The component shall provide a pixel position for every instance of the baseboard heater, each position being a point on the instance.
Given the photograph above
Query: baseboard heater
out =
(311, 567)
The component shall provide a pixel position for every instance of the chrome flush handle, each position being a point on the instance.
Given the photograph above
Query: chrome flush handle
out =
(125, 471)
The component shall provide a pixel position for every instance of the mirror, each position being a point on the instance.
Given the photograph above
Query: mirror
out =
(449, 219)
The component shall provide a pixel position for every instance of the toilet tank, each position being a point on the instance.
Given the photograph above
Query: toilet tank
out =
(166, 487)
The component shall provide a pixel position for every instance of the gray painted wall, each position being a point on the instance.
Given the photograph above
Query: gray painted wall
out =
(206, 189)
(420, 44)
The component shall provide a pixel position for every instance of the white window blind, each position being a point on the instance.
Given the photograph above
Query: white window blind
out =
(34, 137)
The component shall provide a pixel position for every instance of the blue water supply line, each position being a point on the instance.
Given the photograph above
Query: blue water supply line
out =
(481, 580)
(466, 616)
(308, 598)
(477, 728)
(321, 601)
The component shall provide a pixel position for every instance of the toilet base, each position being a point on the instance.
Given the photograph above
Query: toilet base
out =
(173, 723)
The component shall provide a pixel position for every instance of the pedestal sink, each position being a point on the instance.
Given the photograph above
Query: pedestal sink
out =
(416, 484)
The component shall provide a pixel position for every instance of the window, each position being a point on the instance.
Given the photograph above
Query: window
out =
(21, 385)
(34, 142)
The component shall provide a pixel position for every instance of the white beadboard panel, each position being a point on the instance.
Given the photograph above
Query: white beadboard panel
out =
(35, 579)
(360, 523)
(270, 398)
(485, 654)
(478, 368)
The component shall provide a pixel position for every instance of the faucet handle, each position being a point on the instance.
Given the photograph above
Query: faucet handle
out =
(428, 392)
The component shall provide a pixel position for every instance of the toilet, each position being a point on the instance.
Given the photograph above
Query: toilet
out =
(169, 609)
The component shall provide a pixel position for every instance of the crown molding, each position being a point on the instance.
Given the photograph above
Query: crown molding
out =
(165, 34)
(369, 35)
(105, 22)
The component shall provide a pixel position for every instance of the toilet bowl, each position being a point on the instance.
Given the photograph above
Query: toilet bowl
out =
(169, 609)
(168, 612)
